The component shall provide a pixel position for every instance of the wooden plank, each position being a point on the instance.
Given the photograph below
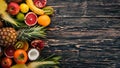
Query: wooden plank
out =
(85, 42)
(86, 8)
(86, 33)
(72, 23)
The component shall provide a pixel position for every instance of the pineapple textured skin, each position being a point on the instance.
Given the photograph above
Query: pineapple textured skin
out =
(8, 36)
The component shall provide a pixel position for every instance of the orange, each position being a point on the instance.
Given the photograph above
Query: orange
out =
(44, 20)
(20, 56)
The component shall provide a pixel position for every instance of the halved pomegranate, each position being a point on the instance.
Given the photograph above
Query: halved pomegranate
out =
(40, 3)
(38, 44)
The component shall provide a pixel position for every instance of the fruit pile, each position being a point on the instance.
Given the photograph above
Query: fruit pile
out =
(22, 39)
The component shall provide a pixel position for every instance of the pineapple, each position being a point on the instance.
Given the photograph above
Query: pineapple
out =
(8, 35)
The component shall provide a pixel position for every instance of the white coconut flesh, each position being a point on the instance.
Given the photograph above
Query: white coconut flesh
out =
(33, 54)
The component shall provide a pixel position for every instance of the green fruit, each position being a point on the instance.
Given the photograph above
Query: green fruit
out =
(48, 10)
(20, 16)
(19, 45)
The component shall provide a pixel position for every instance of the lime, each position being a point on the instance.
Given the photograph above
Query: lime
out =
(20, 16)
(24, 8)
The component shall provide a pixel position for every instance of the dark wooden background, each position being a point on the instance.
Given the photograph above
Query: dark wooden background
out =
(86, 33)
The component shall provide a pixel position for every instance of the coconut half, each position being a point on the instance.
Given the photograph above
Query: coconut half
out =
(33, 54)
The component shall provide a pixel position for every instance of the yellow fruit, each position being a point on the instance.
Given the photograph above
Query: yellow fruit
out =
(34, 8)
(24, 8)
(4, 15)
(44, 20)
(19, 66)
(8, 36)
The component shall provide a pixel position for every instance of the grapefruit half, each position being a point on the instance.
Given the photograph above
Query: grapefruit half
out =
(31, 19)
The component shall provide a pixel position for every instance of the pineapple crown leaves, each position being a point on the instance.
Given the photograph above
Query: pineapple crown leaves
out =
(52, 57)
(43, 64)
(31, 32)
(50, 62)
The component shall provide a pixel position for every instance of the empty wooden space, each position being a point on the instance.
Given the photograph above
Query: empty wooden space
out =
(86, 33)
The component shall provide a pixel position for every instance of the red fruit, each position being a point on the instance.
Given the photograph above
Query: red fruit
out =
(13, 8)
(6, 62)
(9, 51)
(31, 19)
(38, 44)
(40, 3)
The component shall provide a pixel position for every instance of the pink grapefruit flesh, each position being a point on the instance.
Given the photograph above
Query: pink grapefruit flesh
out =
(31, 19)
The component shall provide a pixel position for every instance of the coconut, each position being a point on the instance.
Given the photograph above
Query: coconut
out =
(33, 54)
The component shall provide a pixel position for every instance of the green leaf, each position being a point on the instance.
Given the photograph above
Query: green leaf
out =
(50, 62)
(40, 64)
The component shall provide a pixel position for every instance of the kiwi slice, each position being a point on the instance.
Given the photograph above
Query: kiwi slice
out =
(48, 10)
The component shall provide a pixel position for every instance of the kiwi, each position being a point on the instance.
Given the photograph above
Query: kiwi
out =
(48, 10)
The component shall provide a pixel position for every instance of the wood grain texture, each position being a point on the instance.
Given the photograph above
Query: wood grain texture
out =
(86, 33)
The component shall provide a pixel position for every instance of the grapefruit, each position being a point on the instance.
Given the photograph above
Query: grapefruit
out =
(40, 3)
(30, 19)
(9, 51)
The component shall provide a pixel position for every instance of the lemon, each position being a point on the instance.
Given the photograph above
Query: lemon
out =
(24, 8)
(20, 16)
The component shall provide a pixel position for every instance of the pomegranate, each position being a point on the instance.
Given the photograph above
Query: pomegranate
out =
(40, 3)
(38, 44)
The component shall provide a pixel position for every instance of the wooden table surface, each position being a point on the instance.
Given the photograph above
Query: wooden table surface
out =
(86, 33)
